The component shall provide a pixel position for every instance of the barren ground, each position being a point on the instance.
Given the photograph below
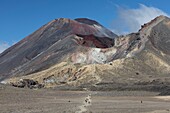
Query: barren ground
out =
(15, 100)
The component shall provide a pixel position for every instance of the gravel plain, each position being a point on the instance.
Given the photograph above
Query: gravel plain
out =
(16, 100)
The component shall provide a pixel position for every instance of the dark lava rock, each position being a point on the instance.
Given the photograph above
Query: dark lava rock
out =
(27, 83)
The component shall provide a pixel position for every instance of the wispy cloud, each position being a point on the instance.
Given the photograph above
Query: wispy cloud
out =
(3, 46)
(130, 20)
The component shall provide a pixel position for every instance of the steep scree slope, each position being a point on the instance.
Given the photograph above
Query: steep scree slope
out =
(99, 60)
(51, 44)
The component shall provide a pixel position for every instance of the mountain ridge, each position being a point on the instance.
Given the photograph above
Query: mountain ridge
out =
(99, 60)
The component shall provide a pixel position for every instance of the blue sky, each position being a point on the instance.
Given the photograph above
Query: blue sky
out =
(19, 18)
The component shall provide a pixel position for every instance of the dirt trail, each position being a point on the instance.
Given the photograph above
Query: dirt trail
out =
(86, 102)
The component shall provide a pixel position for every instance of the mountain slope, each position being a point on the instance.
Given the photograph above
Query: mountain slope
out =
(102, 61)
(51, 44)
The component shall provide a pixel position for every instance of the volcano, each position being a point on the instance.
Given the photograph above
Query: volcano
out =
(53, 43)
(82, 53)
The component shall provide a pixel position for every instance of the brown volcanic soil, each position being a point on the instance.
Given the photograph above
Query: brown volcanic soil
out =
(14, 100)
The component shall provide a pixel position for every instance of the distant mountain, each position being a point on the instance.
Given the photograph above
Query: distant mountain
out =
(81, 53)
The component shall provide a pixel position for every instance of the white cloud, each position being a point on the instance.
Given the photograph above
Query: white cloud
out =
(130, 20)
(3, 46)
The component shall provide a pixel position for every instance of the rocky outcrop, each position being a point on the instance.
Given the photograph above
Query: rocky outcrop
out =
(27, 83)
